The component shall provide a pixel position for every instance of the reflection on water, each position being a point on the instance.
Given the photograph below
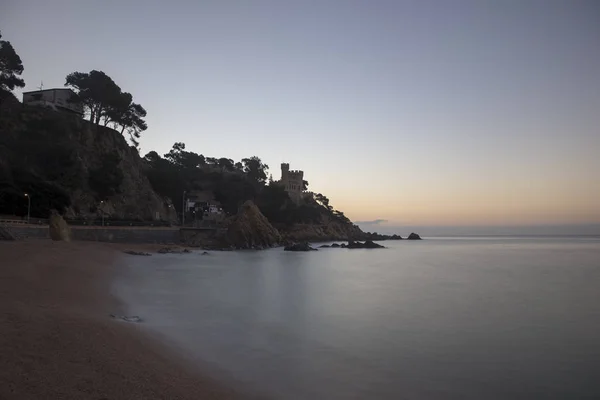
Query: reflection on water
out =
(438, 319)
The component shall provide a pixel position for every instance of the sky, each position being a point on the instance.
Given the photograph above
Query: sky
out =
(403, 113)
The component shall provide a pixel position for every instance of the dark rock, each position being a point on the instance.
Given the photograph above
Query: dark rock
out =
(205, 253)
(344, 246)
(173, 250)
(136, 253)
(250, 229)
(414, 236)
(369, 244)
(324, 246)
(335, 245)
(126, 318)
(304, 246)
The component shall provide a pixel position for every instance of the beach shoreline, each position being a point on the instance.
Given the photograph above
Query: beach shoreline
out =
(59, 341)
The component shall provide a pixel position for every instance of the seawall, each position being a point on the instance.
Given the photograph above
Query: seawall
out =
(190, 236)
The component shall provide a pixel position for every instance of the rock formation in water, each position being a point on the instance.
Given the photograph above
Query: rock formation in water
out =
(303, 246)
(369, 244)
(250, 229)
(414, 236)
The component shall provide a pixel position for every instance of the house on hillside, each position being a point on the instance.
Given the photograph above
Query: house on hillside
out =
(201, 206)
(59, 99)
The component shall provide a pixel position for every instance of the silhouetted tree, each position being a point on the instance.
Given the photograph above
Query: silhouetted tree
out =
(96, 91)
(226, 164)
(10, 67)
(128, 116)
(256, 170)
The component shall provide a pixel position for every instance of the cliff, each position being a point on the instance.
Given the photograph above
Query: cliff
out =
(68, 164)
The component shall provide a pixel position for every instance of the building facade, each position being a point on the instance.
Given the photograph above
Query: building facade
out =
(292, 181)
(58, 99)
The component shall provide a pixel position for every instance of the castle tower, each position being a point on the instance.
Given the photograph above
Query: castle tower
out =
(285, 168)
(292, 181)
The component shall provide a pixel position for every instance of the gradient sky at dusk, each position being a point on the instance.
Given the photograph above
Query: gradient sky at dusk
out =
(415, 112)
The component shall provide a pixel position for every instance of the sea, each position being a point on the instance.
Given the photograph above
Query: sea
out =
(502, 317)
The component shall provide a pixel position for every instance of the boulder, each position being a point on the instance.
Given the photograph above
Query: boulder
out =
(335, 245)
(59, 229)
(250, 229)
(414, 236)
(172, 250)
(136, 253)
(369, 244)
(324, 246)
(304, 246)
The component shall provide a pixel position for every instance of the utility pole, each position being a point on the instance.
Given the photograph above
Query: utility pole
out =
(28, 206)
(183, 210)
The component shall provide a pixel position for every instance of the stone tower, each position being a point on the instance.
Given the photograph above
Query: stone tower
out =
(292, 181)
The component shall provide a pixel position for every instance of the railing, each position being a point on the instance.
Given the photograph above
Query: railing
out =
(112, 222)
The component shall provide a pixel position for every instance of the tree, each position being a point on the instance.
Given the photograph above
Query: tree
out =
(127, 115)
(226, 164)
(323, 200)
(11, 67)
(97, 91)
(184, 159)
(256, 170)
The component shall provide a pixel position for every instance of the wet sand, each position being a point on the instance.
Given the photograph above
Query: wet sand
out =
(57, 340)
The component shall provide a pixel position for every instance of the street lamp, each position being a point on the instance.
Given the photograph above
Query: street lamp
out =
(28, 206)
(102, 211)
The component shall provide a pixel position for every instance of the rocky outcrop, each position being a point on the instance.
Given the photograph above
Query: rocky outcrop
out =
(59, 229)
(304, 246)
(55, 156)
(172, 250)
(414, 236)
(250, 229)
(327, 231)
(369, 244)
(379, 236)
(136, 253)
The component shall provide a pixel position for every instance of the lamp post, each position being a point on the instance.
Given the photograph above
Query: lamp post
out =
(28, 206)
(102, 211)
(183, 210)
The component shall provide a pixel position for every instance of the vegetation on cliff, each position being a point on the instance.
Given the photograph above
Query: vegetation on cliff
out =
(83, 168)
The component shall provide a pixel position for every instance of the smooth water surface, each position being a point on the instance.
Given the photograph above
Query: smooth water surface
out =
(444, 318)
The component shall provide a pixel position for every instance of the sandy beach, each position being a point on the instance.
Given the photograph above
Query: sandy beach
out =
(59, 342)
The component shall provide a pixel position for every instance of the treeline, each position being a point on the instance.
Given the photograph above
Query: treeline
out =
(232, 183)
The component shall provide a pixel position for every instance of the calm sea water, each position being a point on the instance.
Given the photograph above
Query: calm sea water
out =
(444, 318)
